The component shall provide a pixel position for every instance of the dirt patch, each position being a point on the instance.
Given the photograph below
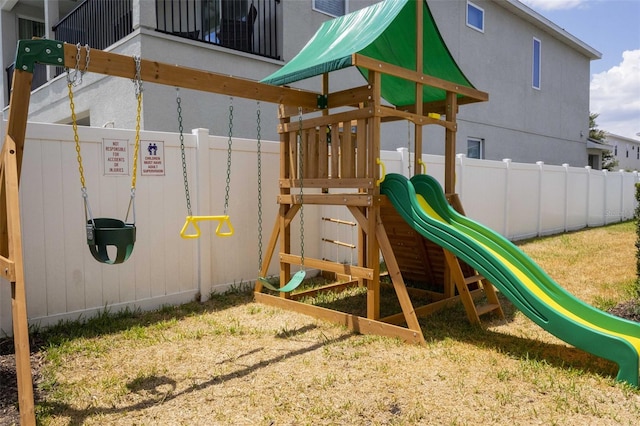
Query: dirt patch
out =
(9, 414)
(629, 310)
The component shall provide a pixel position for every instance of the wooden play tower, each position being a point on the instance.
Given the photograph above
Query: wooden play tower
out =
(341, 165)
(333, 137)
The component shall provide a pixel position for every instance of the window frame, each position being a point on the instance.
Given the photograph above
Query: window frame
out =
(472, 5)
(536, 71)
(480, 142)
(315, 8)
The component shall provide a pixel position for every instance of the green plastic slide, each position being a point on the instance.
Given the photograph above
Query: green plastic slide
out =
(422, 204)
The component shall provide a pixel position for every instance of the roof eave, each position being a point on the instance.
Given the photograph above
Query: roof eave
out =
(521, 10)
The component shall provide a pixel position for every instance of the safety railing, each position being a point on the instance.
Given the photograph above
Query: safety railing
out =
(39, 77)
(246, 25)
(97, 23)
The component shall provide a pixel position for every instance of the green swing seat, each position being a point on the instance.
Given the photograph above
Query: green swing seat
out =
(104, 232)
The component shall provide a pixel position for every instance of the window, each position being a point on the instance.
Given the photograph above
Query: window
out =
(536, 63)
(475, 148)
(475, 17)
(330, 7)
(627, 150)
(615, 149)
(28, 29)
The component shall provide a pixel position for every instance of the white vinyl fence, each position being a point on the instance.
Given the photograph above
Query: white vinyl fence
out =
(63, 281)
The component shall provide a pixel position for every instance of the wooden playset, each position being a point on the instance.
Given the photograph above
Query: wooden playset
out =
(329, 155)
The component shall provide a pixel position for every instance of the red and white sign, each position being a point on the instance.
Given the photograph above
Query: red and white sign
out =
(116, 156)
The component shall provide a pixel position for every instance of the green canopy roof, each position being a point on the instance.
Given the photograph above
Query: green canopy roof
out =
(384, 31)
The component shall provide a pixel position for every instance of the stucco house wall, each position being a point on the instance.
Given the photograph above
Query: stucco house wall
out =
(518, 122)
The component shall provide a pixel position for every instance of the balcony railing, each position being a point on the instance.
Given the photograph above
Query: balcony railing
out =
(245, 25)
(97, 23)
(39, 77)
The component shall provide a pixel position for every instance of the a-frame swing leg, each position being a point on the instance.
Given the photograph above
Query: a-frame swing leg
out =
(11, 259)
(13, 269)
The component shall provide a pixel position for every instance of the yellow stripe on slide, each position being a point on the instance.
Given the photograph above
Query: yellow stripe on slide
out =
(531, 285)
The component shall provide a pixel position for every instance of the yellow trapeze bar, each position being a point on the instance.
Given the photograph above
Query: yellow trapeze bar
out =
(193, 220)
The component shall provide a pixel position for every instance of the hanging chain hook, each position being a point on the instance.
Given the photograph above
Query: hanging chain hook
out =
(73, 78)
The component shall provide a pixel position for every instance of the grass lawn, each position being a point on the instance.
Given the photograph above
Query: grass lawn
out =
(231, 361)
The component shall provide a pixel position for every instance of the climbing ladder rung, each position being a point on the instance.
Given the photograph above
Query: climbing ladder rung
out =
(489, 307)
(473, 279)
(339, 221)
(339, 243)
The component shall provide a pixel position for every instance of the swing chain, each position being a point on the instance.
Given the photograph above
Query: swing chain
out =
(300, 177)
(138, 92)
(229, 144)
(182, 151)
(259, 146)
(71, 82)
(76, 138)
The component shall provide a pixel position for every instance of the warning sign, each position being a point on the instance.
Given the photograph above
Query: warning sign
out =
(152, 158)
(116, 156)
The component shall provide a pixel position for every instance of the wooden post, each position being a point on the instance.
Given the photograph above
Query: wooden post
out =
(372, 247)
(419, 87)
(285, 172)
(11, 236)
(450, 145)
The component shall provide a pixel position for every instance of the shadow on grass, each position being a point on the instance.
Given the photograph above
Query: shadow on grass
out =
(162, 389)
(452, 323)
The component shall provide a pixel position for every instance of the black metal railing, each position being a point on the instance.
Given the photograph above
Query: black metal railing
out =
(245, 25)
(97, 23)
(39, 77)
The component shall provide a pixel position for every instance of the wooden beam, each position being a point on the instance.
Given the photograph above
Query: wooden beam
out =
(431, 308)
(391, 114)
(117, 65)
(352, 322)
(390, 69)
(325, 265)
(341, 117)
(328, 183)
(439, 107)
(350, 97)
(327, 199)
(360, 217)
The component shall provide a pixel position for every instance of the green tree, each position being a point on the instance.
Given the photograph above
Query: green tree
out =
(609, 161)
(594, 132)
